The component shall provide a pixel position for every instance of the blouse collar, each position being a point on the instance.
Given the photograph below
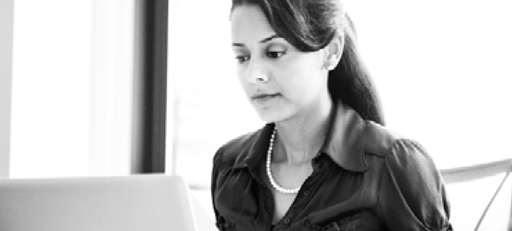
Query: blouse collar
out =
(343, 144)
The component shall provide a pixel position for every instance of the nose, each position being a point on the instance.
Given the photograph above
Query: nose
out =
(256, 74)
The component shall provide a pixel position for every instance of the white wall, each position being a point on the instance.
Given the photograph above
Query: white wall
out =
(6, 30)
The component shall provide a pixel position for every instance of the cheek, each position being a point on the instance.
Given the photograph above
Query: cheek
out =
(240, 73)
(311, 73)
(303, 85)
(301, 77)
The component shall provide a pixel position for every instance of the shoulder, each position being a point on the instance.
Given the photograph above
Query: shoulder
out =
(404, 160)
(399, 152)
(412, 194)
(378, 140)
(228, 155)
(232, 149)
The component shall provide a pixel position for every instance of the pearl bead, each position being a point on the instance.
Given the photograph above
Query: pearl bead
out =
(269, 172)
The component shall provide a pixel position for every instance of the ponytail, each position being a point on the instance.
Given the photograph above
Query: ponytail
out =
(350, 82)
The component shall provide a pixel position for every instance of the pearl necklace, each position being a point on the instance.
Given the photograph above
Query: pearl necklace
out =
(269, 173)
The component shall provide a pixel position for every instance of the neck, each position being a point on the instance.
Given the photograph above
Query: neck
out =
(299, 139)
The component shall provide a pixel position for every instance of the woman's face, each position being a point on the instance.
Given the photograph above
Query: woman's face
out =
(296, 82)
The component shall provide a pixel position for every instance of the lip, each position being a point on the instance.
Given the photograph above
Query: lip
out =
(261, 98)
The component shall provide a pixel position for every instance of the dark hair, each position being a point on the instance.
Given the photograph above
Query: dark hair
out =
(310, 25)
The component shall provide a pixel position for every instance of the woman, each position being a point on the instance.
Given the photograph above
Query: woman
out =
(323, 161)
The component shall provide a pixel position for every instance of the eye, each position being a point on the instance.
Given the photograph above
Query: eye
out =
(242, 58)
(275, 54)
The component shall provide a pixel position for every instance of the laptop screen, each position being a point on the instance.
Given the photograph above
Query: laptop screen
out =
(139, 202)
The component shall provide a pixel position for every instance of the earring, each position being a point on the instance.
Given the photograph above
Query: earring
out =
(327, 67)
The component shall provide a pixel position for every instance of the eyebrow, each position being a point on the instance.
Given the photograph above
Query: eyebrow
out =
(262, 41)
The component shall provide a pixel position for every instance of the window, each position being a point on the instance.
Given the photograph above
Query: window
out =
(72, 88)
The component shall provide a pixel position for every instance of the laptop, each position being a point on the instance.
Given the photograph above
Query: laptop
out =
(130, 203)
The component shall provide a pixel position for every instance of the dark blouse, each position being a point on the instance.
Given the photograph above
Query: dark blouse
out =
(364, 178)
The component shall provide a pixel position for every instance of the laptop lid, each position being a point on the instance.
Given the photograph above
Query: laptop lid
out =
(129, 203)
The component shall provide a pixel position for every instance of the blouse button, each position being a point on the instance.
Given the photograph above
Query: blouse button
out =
(306, 192)
(286, 221)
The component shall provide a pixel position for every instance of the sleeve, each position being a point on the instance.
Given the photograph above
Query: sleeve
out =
(412, 193)
(215, 173)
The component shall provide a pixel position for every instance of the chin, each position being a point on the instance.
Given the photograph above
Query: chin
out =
(274, 115)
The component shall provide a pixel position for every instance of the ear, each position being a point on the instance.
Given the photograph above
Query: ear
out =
(334, 51)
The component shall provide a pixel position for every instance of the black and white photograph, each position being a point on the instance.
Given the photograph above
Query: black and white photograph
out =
(264, 115)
